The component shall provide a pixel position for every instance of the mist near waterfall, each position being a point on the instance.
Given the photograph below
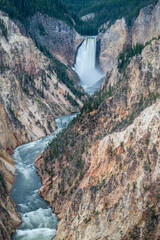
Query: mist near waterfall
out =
(86, 63)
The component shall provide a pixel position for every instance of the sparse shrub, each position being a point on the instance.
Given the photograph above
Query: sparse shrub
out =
(86, 220)
(4, 29)
(134, 186)
(2, 180)
(140, 154)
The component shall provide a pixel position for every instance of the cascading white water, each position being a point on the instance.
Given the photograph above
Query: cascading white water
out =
(86, 63)
(38, 220)
(86, 56)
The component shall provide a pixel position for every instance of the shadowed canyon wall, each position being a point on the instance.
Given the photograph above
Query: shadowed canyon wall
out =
(103, 181)
(31, 96)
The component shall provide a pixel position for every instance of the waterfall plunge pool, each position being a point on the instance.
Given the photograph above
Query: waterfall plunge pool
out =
(38, 220)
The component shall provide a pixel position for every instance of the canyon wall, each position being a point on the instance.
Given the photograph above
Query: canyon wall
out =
(111, 43)
(145, 28)
(10, 218)
(148, 17)
(102, 180)
(30, 88)
(32, 94)
(60, 39)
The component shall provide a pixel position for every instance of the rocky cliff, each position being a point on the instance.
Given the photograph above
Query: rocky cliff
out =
(102, 178)
(145, 28)
(10, 219)
(60, 39)
(34, 89)
(111, 43)
(148, 17)
(30, 88)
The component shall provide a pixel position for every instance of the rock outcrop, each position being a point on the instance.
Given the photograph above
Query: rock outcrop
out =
(103, 180)
(30, 88)
(61, 40)
(144, 29)
(101, 176)
(147, 25)
(10, 219)
(32, 94)
(111, 43)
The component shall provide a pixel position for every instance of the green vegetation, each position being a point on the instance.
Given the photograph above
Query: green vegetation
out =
(21, 9)
(64, 146)
(96, 212)
(26, 80)
(134, 186)
(2, 180)
(61, 71)
(147, 141)
(55, 66)
(3, 67)
(104, 10)
(11, 111)
(129, 52)
(69, 10)
(140, 154)
(86, 220)
(71, 100)
(99, 96)
(126, 55)
(4, 29)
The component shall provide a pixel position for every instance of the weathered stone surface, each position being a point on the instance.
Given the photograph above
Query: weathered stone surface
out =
(145, 28)
(111, 44)
(115, 194)
(87, 17)
(30, 99)
(24, 63)
(10, 219)
(147, 25)
(116, 208)
(61, 40)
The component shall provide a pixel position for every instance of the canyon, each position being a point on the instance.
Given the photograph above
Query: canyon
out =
(101, 175)
(105, 183)
(103, 180)
(31, 97)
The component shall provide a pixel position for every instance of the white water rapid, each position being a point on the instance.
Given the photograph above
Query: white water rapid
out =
(85, 65)
(38, 220)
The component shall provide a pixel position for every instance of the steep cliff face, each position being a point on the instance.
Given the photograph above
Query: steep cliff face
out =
(118, 198)
(111, 43)
(33, 91)
(148, 17)
(29, 86)
(103, 176)
(61, 40)
(10, 219)
(145, 28)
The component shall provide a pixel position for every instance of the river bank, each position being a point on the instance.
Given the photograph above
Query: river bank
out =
(38, 221)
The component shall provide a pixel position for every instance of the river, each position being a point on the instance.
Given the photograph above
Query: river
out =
(38, 220)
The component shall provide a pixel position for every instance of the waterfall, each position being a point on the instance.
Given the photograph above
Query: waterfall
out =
(86, 63)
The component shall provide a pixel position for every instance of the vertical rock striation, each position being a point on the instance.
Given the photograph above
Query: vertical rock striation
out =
(60, 39)
(147, 25)
(105, 179)
(118, 36)
(32, 94)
